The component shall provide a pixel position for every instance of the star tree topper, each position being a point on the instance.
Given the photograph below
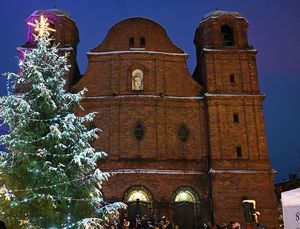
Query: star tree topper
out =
(42, 27)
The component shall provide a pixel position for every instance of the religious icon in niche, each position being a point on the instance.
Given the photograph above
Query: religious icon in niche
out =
(137, 80)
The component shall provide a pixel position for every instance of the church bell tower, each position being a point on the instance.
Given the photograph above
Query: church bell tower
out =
(66, 36)
(238, 158)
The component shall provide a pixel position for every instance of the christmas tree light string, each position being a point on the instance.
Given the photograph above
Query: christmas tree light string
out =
(26, 200)
(54, 120)
(67, 225)
(105, 176)
(105, 206)
(68, 198)
(43, 154)
(48, 145)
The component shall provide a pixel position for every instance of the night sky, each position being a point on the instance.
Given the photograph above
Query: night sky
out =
(274, 30)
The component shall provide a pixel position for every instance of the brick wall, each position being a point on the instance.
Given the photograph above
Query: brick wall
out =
(229, 76)
(171, 97)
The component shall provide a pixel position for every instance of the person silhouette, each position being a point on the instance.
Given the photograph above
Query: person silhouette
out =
(2, 225)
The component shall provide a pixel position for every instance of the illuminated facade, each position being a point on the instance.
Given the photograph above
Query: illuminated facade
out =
(189, 147)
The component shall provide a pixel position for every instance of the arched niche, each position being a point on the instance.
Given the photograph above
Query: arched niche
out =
(137, 80)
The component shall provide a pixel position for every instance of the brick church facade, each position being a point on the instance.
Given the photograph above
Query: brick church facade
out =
(189, 147)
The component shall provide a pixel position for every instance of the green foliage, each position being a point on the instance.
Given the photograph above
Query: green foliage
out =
(49, 174)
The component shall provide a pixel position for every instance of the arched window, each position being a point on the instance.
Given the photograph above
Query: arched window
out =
(227, 35)
(232, 79)
(143, 42)
(236, 117)
(239, 152)
(138, 195)
(131, 42)
(185, 196)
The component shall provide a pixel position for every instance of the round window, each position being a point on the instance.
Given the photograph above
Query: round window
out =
(139, 131)
(183, 133)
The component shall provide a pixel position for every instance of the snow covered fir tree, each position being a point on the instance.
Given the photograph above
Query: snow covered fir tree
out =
(49, 176)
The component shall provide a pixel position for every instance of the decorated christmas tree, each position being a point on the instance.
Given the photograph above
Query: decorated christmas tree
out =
(48, 173)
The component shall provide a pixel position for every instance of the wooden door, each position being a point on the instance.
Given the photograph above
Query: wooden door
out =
(136, 208)
(184, 215)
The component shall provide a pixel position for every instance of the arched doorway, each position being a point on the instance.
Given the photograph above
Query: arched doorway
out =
(139, 201)
(186, 204)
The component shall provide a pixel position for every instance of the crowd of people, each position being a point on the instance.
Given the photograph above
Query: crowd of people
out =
(232, 225)
(139, 222)
(163, 223)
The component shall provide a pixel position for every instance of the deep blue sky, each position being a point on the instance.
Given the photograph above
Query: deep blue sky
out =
(274, 30)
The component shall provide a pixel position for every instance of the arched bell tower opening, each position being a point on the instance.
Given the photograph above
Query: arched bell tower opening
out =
(227, 35)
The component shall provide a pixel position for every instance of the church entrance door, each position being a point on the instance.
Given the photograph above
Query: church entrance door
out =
(139, 202)
(137, 208)
(184, 208)
(184, 215)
